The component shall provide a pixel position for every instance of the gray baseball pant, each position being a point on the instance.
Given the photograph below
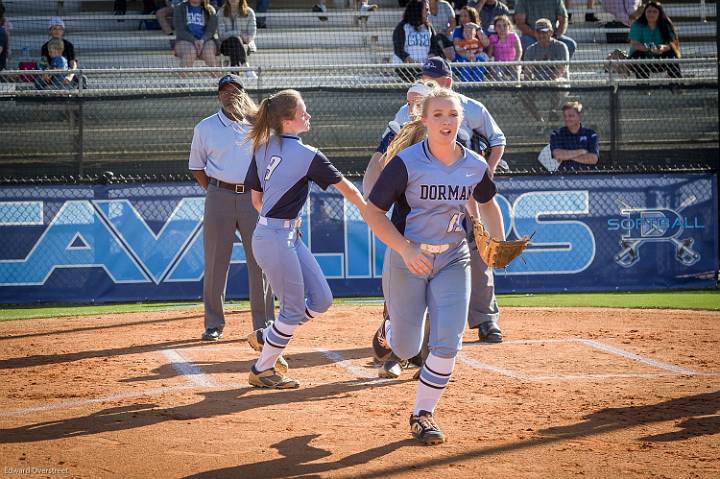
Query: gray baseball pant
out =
(225, 213)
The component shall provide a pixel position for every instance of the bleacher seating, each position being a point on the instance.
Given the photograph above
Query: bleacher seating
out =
(296, 37)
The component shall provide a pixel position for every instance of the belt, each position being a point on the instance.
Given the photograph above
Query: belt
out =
(437, 248)
(288, 224)
(228, 186)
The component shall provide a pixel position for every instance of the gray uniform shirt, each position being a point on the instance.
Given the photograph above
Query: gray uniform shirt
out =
(282, 169)
(429, 196)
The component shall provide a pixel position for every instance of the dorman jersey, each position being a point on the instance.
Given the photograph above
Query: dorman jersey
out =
(429, 196)
(282, 169)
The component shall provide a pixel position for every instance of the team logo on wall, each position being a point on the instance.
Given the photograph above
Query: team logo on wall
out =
(658, 225)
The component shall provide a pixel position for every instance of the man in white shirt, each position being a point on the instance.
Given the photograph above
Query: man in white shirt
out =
(219, 160)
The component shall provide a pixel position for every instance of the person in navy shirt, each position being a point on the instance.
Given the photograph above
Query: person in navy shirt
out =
(574, 146)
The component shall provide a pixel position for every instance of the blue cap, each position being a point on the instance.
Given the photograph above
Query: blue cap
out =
(436, 67)
(228, 79)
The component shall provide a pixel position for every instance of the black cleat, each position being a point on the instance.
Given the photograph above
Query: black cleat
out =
(212, 334)
(424, 428)
(489, 332)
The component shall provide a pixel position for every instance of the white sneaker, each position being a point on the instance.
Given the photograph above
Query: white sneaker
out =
(250, 75)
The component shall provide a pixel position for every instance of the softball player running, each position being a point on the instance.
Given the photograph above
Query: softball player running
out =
(427, 264)
(279, 176)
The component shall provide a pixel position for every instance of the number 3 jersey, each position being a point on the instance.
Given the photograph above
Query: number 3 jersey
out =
(282, 170)
(429, 196)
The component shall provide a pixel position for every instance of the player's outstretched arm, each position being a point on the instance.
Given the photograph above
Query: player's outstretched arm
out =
(352, 194)
(417, 261)
(492, 219)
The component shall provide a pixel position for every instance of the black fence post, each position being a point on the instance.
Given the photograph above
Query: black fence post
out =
(614, 124)
(80, 137)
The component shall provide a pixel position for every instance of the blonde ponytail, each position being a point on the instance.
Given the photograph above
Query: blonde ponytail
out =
(413, 132)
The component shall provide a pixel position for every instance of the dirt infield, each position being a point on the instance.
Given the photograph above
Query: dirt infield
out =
(570, 393)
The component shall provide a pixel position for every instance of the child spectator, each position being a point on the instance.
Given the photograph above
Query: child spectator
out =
(57, 62)
(505, 46)
(471, 49)
(237, 29)
(56, 30)
(195, 28)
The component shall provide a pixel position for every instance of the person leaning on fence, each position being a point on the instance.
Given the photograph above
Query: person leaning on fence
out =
(237, 29)
(505, 46)
(547, 48)
(442, 19)
(653, 36)
(573, 146)
(414, 39)
(219, 160)
(195, 29)
(528, 12)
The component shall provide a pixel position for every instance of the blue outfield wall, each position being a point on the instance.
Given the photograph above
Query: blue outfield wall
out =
(70, 244)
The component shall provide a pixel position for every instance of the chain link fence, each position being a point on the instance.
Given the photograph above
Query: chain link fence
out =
(136, 122)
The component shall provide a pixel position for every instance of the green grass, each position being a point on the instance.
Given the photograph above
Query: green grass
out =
(699, 300)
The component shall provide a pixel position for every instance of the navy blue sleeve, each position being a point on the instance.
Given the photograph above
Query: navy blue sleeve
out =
(252, 180)
(322, 172)
(385, 142)
(391, 184)
(485, 190)
(593, 146)
(555, 140)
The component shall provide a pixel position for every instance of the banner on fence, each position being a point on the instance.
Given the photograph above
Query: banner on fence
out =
(145, 242)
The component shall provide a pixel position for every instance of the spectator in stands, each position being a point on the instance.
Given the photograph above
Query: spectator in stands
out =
(237, 29)
(547, 48)
(414, 39)
(528, 12)
(3, 48)
(653, 36)
(195, 29)
(471, 49)
(442, 19)
(56, 30)
(57, 62)
(505, 46)
(6, 27)
(624, 11)
(489, 10)
(574, 146)
(164, 15)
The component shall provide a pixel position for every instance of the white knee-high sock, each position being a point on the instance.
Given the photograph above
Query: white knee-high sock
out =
(388, 331)
(434, 377)
(277, 336)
